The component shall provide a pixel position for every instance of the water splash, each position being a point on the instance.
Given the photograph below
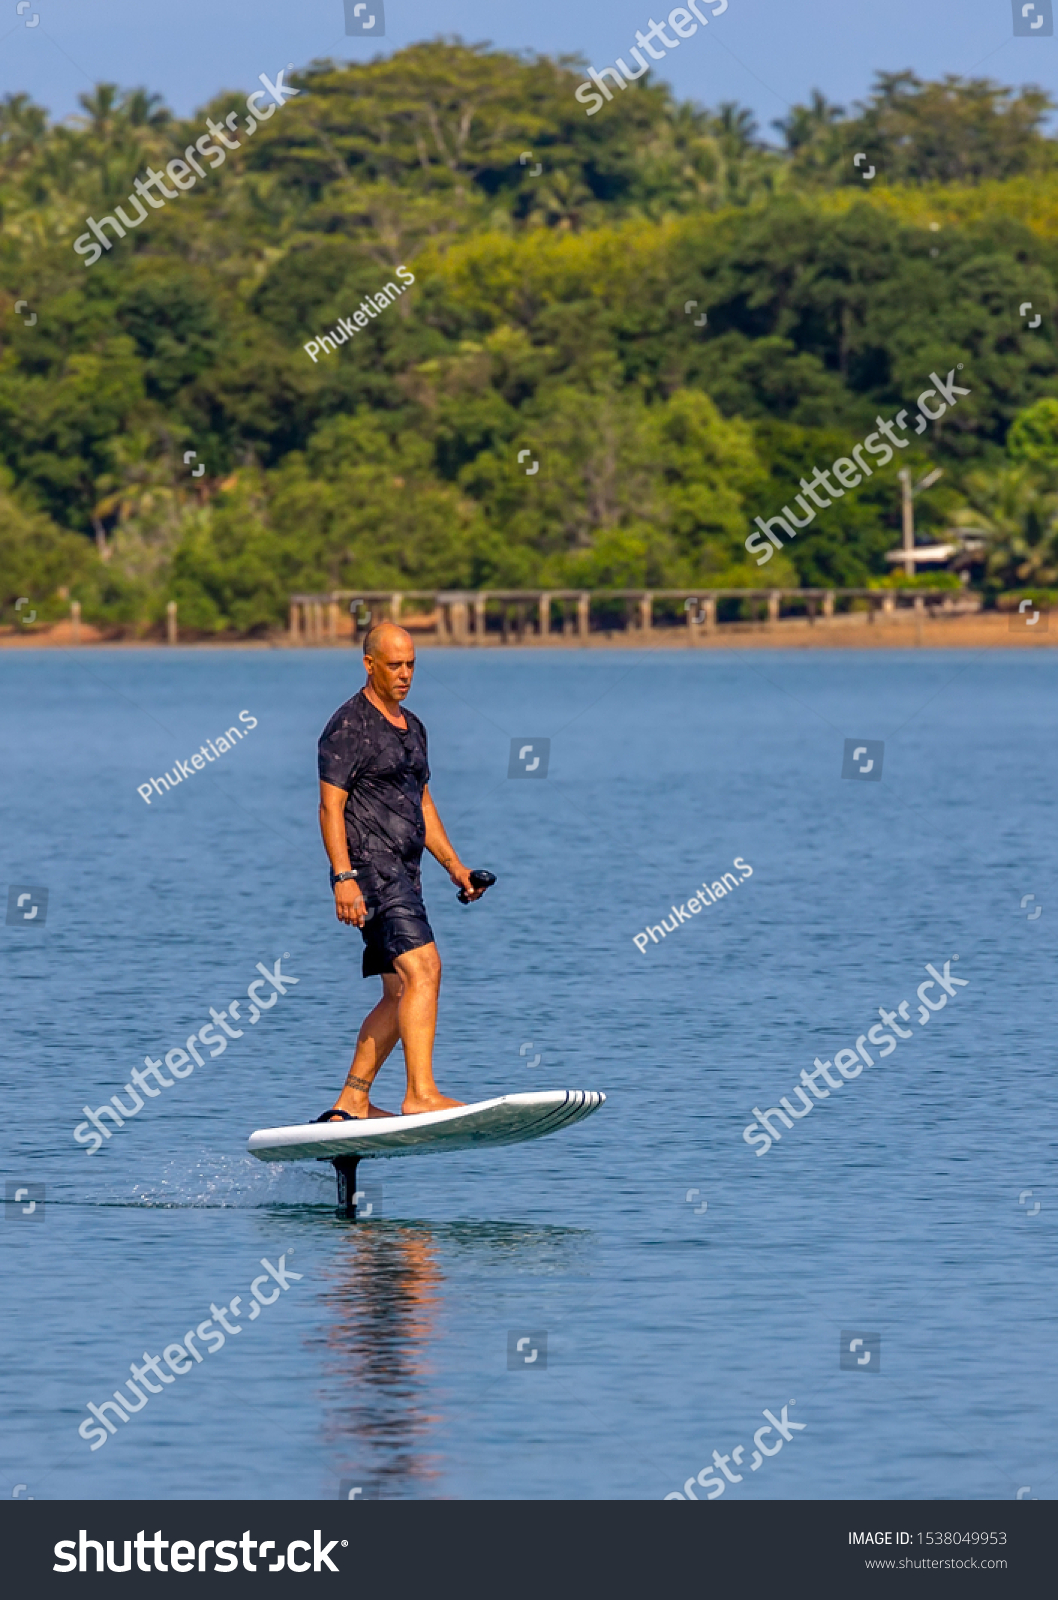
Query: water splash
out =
(209, 1180)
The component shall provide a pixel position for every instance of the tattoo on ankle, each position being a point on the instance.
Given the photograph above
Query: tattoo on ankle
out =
(358, 1083)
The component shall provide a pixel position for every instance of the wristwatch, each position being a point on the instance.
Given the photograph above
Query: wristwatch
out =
(340, 877)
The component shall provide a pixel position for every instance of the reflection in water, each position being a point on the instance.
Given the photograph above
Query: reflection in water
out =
(383, 1308)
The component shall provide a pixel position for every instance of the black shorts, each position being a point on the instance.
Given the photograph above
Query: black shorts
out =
(396, 916)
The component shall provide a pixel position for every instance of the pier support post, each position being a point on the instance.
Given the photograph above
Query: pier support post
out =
(584, 615)
(171, 634)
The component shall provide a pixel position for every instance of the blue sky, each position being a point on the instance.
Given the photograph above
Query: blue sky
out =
(763, 53)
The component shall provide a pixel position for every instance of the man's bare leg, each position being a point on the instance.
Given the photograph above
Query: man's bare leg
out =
(420, 971)
(377, 1037)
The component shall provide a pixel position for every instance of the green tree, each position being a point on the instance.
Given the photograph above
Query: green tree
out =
(1033, 434)
(957, 131)
(37, 559)
(1016, 509)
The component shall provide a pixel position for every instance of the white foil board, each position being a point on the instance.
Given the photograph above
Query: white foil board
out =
(511, 1119)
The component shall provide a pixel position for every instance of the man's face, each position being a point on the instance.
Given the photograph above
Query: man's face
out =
(391, 668)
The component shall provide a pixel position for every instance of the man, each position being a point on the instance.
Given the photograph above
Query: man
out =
(376, 816)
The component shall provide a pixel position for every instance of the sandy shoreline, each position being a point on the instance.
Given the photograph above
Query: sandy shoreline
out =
(857, 631)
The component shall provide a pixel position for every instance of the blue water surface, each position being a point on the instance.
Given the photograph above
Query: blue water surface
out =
(686, 1284)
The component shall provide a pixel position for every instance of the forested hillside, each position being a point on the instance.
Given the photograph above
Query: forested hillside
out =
(547, 312)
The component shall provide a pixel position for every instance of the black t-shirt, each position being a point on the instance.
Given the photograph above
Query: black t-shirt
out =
(385, 771)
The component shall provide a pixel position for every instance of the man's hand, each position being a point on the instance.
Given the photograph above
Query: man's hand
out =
(442, 850)
(349, 904)
(460, 876)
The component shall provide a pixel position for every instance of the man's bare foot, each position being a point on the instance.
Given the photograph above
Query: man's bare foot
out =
(360, 1107)
(434, 1102)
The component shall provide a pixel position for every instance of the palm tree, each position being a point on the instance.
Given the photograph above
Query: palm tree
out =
(141, 109)
(746, 167)
(811, 124)
(111, 110)
(814, 140)
(102, 108)
(23, 126)
(561, 201)
(1016, 509)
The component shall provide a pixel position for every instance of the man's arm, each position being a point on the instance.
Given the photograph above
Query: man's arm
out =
(349, 904)
(440, 846)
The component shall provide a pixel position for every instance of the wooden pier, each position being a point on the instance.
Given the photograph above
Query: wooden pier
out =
(543, 616)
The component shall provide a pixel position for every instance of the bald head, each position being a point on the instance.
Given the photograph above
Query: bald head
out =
(385, 639)
(389, 661)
